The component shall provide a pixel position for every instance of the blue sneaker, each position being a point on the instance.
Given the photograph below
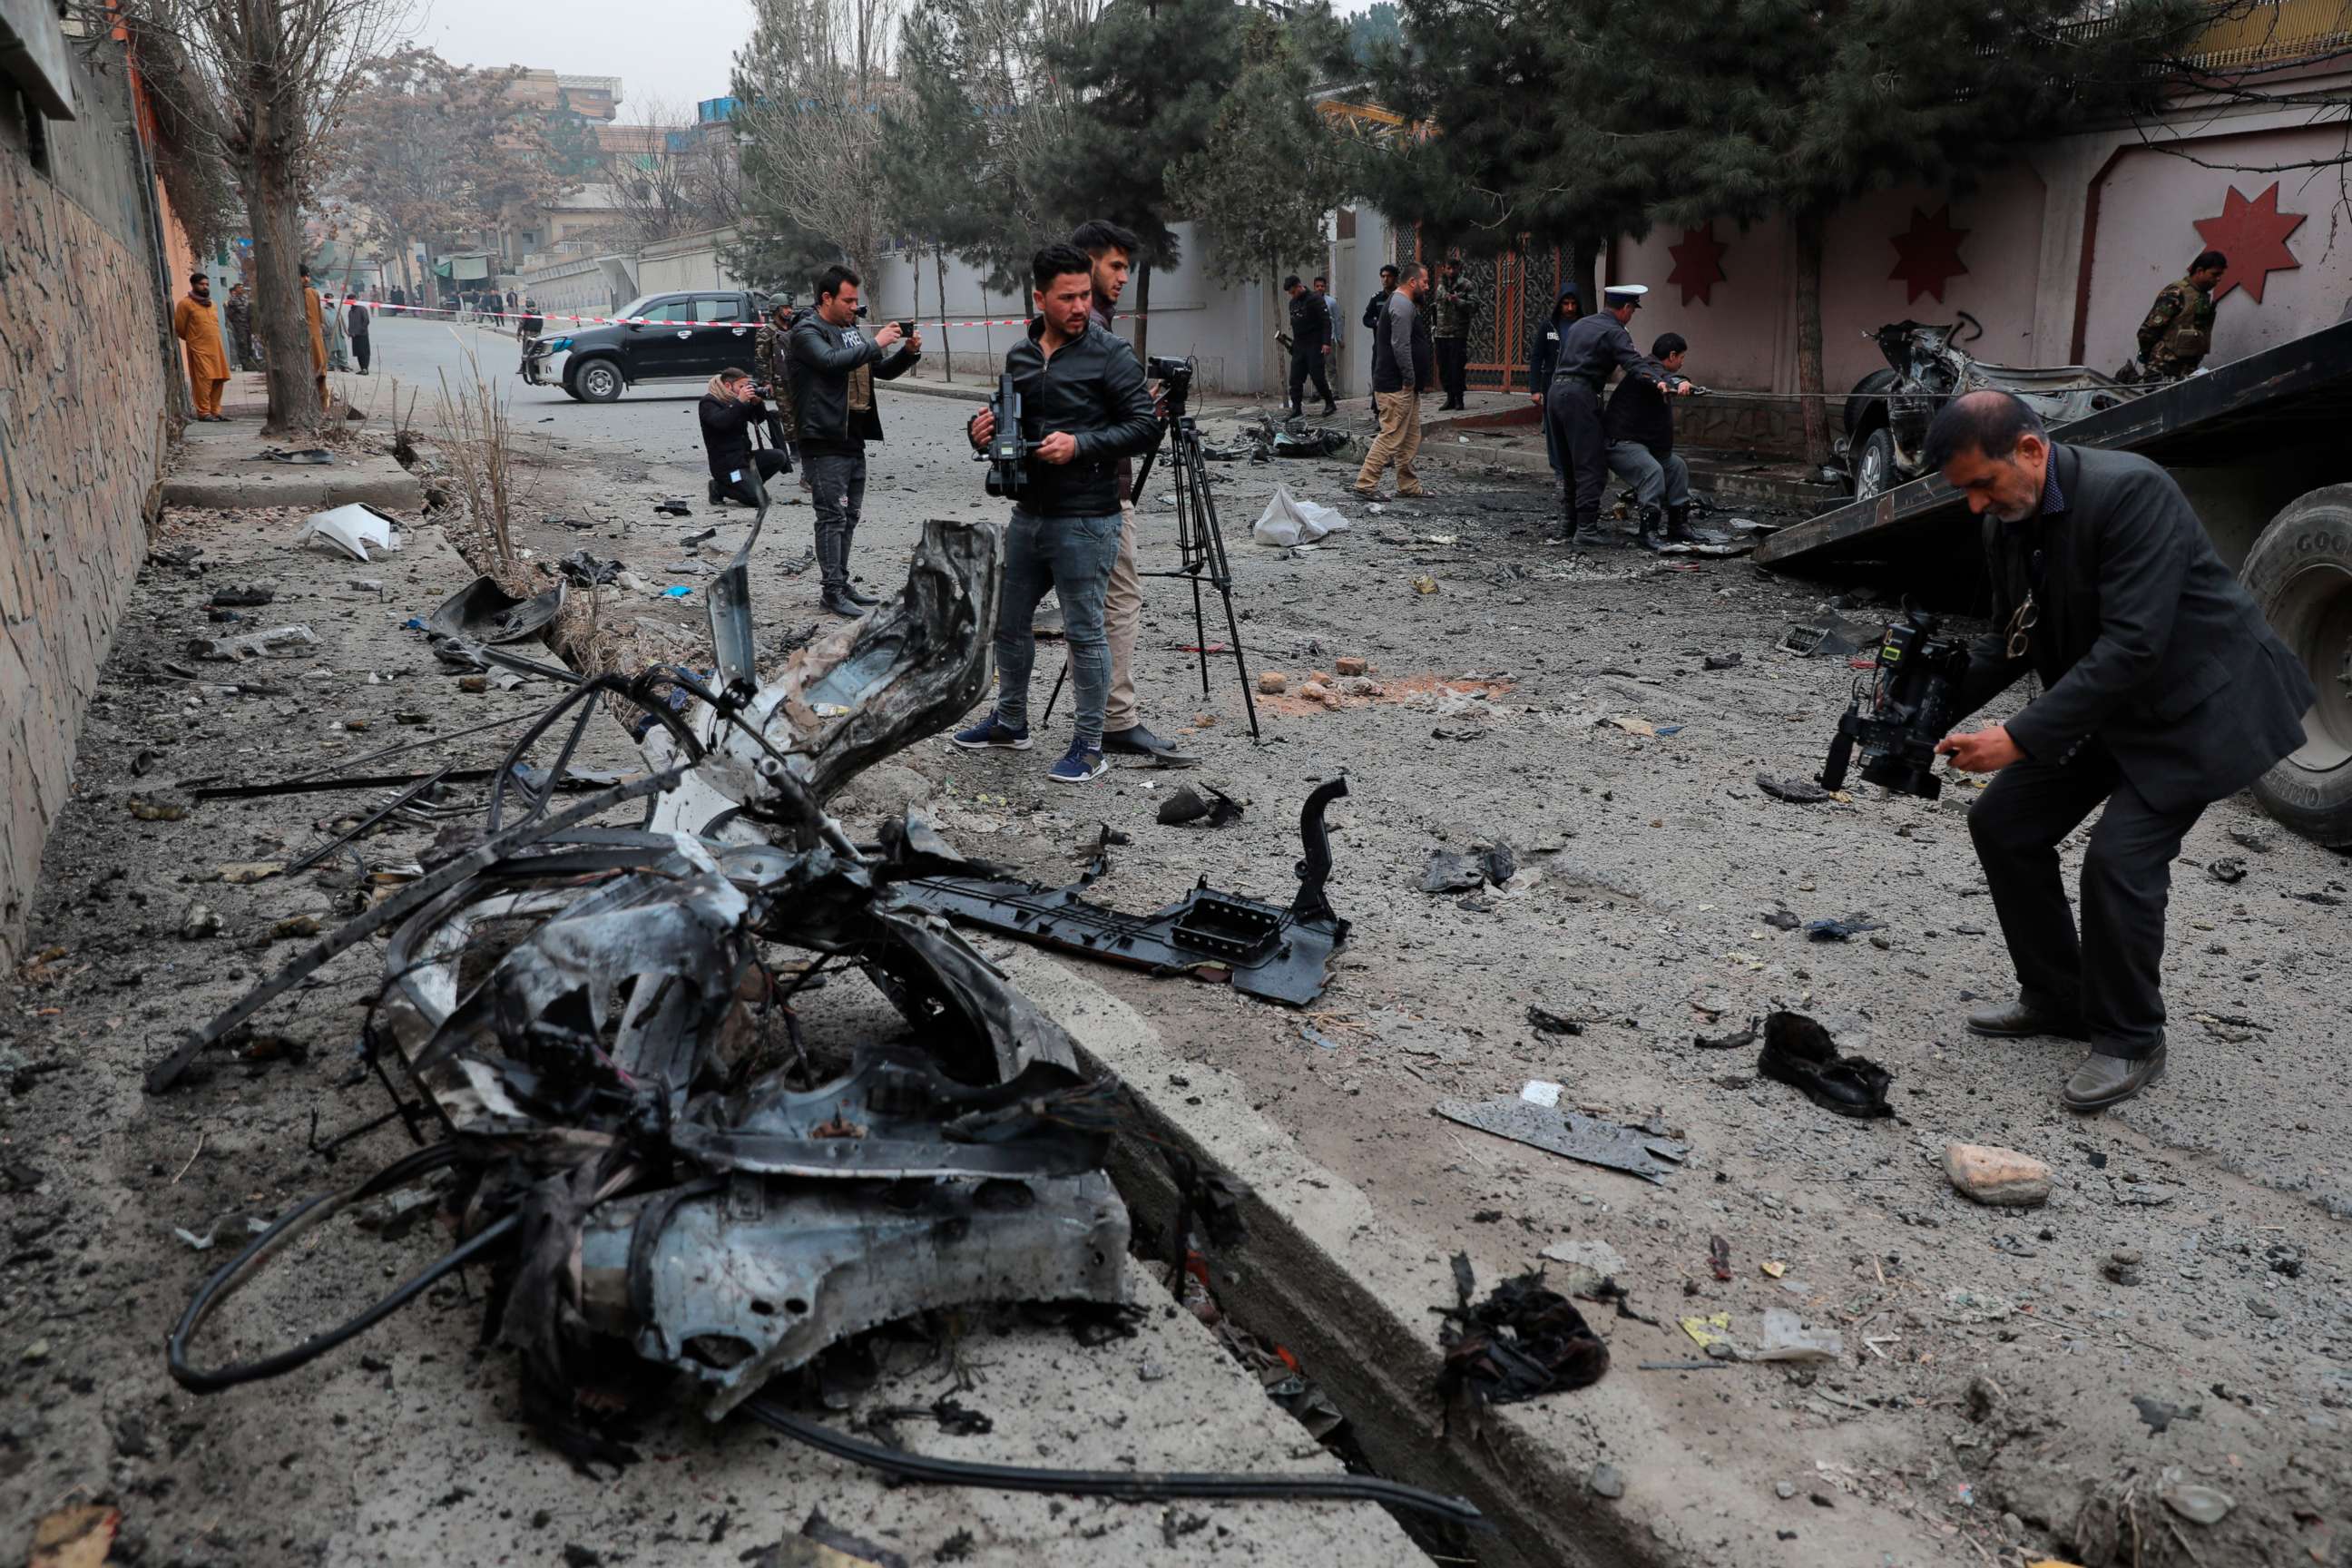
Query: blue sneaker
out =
(1080, 764)
(993, 735)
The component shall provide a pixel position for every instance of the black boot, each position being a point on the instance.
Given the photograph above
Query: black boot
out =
(718, 496)
(838, 602)
(1678, 528)
(858, 596)
(1652, 524)
(1590, 534)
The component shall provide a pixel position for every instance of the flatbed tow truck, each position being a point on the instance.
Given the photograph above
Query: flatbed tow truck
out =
(2263, 447)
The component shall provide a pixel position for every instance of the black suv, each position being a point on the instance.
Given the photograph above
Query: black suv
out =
(661, 337)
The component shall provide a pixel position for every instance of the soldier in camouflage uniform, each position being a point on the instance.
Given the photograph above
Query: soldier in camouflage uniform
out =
(770, 358)
(2178, 332)
(1452, 306)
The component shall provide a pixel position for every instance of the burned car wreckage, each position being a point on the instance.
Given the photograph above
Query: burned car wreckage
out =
(635, 1137)
(1888, 411)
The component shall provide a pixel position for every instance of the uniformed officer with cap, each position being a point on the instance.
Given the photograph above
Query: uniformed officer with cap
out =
(1588, 351)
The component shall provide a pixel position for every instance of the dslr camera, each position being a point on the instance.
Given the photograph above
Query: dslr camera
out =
(1907, 702)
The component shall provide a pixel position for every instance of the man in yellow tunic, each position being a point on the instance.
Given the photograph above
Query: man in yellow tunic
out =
(318, 335)
(197, 323)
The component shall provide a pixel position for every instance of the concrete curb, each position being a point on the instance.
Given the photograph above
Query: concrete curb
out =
(932, 389)
(315, 488)
(1325, 1275)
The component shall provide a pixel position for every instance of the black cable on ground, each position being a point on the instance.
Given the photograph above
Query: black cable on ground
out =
(1132, 1486)
(239, 1271)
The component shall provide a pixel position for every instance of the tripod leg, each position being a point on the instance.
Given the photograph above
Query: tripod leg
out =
(1200, 636)
(1241, 664)
(1059, 676)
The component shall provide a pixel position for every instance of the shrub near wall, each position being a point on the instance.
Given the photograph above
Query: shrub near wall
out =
(82, 434)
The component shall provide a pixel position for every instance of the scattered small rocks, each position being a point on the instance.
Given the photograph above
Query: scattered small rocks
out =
(1350, 664)
(2258, 840)
(199, 922)
(1606, 1482)
(1272, 681)
(2121, 1266)
(2230, 870)
(2285, 1257)
(1995, 1176)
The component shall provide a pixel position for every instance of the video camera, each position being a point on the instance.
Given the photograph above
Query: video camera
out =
(1007, 454)
(1175, 378)
(1909, 701)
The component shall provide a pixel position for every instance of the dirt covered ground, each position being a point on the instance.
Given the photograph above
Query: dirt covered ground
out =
(2008, 1389)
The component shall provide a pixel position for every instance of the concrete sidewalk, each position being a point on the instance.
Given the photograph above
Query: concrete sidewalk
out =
(221, 466)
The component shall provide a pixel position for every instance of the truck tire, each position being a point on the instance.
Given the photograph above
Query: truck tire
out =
(1874, 465)
(2300, 573)
(598, 381)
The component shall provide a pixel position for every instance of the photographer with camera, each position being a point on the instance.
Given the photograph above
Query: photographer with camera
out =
(729, 406)
(834, 366)
(2163, 690)
(1084, 408)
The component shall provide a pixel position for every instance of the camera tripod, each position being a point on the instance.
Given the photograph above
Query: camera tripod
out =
(1200, 539)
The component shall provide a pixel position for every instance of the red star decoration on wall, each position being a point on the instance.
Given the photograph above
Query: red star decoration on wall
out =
(1698, 264)
(1928, 255)
(2252, 235)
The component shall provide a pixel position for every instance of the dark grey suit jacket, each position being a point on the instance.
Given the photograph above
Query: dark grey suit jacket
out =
(2147, 643)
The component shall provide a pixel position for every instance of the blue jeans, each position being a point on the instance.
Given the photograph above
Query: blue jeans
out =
(1072, 556)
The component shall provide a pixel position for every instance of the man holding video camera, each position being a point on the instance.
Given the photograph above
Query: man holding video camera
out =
(1084, 407)
(2163, 690)
(834, 366)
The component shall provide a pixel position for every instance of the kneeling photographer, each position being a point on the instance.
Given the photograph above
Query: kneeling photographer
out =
(2163, 692)
(731, 403)
(1082, 405)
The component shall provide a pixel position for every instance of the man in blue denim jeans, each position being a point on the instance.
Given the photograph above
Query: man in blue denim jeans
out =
(1084, 406)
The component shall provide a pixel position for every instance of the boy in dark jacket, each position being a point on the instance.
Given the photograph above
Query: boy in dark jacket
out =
(1641, 423)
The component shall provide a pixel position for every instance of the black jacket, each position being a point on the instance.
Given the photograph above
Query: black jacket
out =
(1377, 308)
(1310, 321)
(2146, 643)
(1401, 346)
(1639, 412)
(726, 433)
(1594, 345)
(1546, 353)
(1092, 388)
(824, 359)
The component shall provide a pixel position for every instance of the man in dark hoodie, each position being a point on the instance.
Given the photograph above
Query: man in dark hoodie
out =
(1541, 362)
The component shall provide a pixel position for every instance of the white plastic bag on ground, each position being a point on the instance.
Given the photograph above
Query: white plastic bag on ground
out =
(1287, 520)
(350, 529)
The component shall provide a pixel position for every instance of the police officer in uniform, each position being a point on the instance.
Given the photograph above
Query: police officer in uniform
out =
(1589, 351)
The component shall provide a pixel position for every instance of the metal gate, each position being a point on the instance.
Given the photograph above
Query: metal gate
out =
(1518, 288)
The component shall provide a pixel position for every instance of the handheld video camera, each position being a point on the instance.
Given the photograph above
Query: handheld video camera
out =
(1007, 455)
(1907, 702)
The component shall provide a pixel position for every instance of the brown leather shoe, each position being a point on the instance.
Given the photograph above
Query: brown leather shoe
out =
(2103, 1081)
(2015, 1020)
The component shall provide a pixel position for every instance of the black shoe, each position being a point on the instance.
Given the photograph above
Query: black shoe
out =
(1799, 1053)
(1139, 741)
(1329, 409)
(2103, 1081)
(837, 603)
(717, 496)
(860, 597)
(2016, 1020)
(1647, 531)
(1678, 528)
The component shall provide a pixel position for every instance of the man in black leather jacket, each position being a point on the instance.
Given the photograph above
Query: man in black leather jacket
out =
(834, 367)
(1083, 406)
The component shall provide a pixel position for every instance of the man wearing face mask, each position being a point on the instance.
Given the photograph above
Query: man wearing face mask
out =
(2163, 690)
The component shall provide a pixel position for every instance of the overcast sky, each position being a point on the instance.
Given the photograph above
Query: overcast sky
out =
(674, 53)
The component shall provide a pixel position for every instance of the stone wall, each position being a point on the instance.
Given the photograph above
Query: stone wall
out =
(83, 429)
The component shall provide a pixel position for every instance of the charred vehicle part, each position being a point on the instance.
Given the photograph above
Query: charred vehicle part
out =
(589, 1012)
(1281, 954)
(1909, 701)
(1888, 411)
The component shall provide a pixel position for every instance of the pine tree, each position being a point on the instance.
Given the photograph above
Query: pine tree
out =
(1794, 107)
(1149, 80)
